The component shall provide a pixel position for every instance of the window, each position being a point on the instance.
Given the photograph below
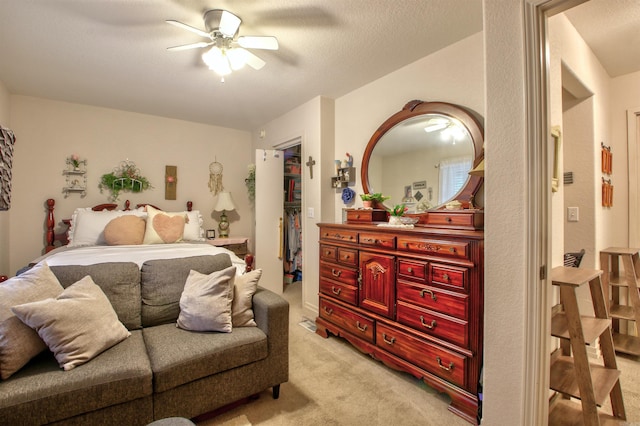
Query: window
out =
(453, 174)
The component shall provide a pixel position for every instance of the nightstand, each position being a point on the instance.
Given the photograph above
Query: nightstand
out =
(238, 245)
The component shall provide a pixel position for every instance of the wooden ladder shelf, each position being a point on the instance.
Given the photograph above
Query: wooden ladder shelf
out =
(572, 375)
(621, 287)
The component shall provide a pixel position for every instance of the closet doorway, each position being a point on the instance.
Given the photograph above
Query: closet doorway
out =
(292, 217)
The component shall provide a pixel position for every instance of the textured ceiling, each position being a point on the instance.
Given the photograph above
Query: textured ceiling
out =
(611, 28)
(112, 53)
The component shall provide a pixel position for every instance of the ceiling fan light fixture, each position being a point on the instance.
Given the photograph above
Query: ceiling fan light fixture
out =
(237, 57)
(229, 24)
(217, 61)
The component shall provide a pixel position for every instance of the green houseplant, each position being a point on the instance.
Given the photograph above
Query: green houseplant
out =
(368, 199)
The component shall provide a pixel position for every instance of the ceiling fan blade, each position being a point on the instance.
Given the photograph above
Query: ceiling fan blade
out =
(253, 61)
(258, 42)
(188, 28)
(190, 46)
(229, 24)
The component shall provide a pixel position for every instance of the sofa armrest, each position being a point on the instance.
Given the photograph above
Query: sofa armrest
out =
(271, 313)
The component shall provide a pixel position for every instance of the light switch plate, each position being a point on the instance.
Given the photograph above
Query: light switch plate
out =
(572, 214)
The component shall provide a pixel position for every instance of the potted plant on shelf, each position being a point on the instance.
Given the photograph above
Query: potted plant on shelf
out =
(368, 199)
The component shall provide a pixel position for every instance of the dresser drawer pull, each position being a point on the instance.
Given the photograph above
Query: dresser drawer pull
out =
(357, 216)
(336, 273)
(445, 277)
(347, 256)
(390, 341)
(452, 249)
(429, 326)
(327, 311)
(335, 291)
(448, 219)
(432, 294)
(341, 237)
(410, 270)
(444, 367)
(362, 328)
(327, 253)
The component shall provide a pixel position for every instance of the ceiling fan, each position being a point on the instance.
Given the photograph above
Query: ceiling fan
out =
(228, 52)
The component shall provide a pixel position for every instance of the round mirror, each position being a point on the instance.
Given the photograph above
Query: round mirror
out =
(422, 155)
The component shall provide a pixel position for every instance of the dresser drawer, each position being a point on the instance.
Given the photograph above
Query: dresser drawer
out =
(435, 247)
(356, 324)
(344, 292)
(412, 269)
(348, 256)
(377, 240)
(449, 276)
(461, 219)
(339, 235)
(447, 302)
(328, 252)
(339, 273)
(366, 215)
(436, 324)
(447, 364)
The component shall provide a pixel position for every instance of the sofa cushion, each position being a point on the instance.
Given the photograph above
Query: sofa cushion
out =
(162, 282)
(120, 374)
(179, 356)
(205, 304)
(245, 287)
(77, 325)
(120, 282)
(18, 342)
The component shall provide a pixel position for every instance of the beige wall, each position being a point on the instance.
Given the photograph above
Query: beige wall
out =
(454, 74)
(49, 131)
(4, 215)
(589, 122)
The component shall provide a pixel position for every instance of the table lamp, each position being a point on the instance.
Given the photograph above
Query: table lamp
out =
(224, 204)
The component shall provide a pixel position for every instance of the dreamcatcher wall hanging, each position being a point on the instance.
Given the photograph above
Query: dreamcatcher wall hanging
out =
(215, 177)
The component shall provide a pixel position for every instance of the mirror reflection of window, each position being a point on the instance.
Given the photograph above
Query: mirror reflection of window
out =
(453, 174)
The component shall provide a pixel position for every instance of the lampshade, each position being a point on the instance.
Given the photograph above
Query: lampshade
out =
(225, 202)
(478, 170)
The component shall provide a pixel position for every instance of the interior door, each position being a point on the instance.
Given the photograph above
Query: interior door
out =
(269, 203)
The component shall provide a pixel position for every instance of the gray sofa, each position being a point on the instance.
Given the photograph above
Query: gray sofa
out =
(160, 370)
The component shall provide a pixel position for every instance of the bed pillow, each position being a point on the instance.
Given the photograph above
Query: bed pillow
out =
(193, 230)
(18, 342)
(205, 303)
(87, 226)
(164, 228)
(125, 230)
(77, 325)
(243, 290)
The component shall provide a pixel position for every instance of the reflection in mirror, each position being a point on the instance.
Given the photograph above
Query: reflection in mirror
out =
(421, 156)
(422, 162)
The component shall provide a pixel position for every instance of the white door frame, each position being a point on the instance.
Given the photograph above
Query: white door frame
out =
(633, 159)
(537, 327)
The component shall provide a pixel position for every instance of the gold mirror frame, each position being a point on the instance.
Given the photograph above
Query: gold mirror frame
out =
(415, 108)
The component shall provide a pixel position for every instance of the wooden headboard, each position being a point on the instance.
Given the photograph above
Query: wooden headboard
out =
(62, 238)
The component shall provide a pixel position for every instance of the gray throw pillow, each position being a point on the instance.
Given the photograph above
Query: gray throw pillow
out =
(244, 288)
(18, 342)
(77, 325)
(205, 304)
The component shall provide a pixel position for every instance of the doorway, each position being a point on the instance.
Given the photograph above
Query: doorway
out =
(292, 218)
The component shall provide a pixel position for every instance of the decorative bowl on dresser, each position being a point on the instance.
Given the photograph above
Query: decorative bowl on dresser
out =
(412, 296)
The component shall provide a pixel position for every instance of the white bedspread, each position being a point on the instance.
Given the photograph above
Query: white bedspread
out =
(134, 253)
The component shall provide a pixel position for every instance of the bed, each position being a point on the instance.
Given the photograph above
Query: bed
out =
(105, 233)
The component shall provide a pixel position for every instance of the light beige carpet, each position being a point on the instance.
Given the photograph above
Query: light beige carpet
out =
(332, 383)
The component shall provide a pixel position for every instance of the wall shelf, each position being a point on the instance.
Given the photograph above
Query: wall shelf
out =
(344, 177)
